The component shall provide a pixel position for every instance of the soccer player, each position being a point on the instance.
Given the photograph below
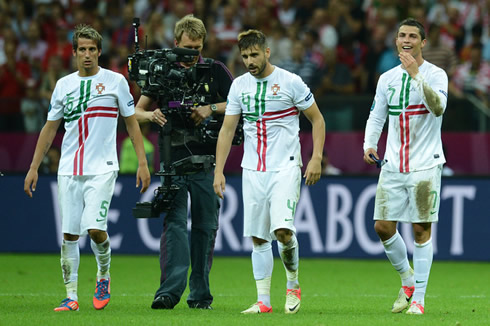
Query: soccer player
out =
(89, 101)
(270, 100)
(413, 95)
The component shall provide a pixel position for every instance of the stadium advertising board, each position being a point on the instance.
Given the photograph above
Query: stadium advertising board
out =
(333, 219)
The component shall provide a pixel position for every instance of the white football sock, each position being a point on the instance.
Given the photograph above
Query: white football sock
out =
(422, 262)
(70, 260)
(396, 251)
(102, 252)
(289, 253)
(263, 263)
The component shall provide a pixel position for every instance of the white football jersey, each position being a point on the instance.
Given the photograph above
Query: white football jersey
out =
(414, 132)
(90, 107)
(270, 108)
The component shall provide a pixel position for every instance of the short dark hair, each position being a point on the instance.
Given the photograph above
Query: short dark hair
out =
(416, 23)
(252, 38)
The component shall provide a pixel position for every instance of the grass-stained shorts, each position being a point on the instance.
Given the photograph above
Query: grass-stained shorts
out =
(411, 197)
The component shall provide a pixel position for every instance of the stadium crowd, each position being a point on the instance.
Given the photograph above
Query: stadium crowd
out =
(336, 46)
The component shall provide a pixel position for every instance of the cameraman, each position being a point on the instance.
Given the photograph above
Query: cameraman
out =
(190, 33)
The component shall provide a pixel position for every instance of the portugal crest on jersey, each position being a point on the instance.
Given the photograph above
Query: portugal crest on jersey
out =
(100, 88)
(275, 88)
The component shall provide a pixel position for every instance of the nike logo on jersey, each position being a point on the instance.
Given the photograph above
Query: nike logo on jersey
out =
(418, 282)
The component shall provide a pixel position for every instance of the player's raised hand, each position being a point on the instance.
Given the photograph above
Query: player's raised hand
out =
(219, 184)
(409, 63)
(143, 175)
(30, 182)
(313, 172)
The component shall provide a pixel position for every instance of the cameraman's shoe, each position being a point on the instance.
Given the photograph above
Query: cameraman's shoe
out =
(200, 305)
(162, 302)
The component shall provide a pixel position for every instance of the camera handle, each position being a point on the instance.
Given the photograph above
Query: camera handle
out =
(165, 194)
(167, 153)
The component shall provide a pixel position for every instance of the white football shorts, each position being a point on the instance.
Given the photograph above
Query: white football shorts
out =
(412, 197)
(269, 200)
(84, 201)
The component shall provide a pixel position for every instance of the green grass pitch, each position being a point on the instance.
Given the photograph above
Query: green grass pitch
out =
(334, 292)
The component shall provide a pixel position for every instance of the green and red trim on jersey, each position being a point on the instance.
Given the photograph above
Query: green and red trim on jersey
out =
(83, 133)
(405, 133)
(262, 133)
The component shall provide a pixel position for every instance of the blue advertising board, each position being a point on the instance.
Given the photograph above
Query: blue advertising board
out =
(333, 219)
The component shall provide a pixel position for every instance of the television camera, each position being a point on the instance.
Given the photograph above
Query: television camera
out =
(177, 90)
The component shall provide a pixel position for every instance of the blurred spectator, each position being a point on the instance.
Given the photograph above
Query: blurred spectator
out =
(346, 17)
(313, 48)
(286, 12)
(353, 53)
(265, 16)
(452, 33)
(57, 18)
(437, 53)
(128, 161)
(389, 59)
(335, 78)
(7, 35)
(280, 42)
(212, 48)
(123, 36)
(438, 12)
(20, 22)
(300, 65)
(476, 38)
(202, 11)
(327, 33)
(177, 10)
(226, 30)
(376, 47)
(472, 77)
(304, 11)
(156, 38)
(13, 77)
(54, 71)
(470, 14)
(32, 109)
(417, 11)
(42, 18)
(390, 18)
(33, 50)
(145, 9)
(62, 49)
